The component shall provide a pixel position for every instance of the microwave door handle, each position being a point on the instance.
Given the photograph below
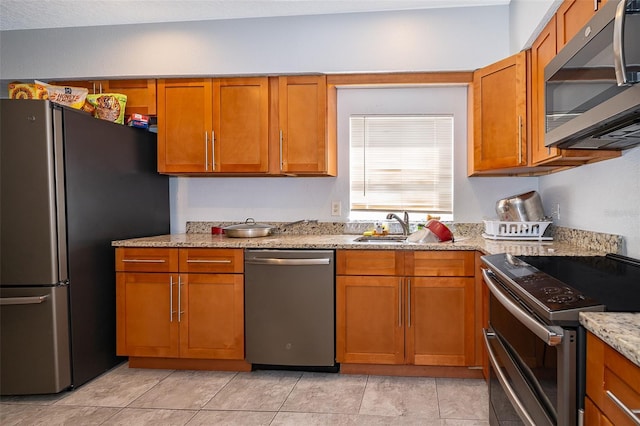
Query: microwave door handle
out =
(618, 45)
(552, 336)
(502, 378)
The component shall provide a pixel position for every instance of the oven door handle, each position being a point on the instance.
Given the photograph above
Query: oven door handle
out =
(511, 394)
(552, 336)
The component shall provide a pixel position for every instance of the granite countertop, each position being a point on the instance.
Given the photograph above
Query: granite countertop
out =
(346, 241)
(617, 329)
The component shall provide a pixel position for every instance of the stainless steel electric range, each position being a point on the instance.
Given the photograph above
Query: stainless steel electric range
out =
(536, 345)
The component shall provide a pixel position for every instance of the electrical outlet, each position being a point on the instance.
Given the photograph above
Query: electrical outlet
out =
(556, 212)
(336, 208)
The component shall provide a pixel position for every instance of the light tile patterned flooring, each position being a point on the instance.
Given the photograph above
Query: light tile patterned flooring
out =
(130, 396)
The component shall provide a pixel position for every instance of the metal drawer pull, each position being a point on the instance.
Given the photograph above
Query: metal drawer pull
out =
(281, 154)
(27, 300)
(171, 298)
(180, 312)
(632, 414)
(143, 260)
(552, 336)
(409, 302)
(400, 302)
(511, 395)
(288, 262)
(207, 261)
(206, 151)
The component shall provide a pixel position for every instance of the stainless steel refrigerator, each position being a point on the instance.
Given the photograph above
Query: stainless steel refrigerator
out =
(69, 185)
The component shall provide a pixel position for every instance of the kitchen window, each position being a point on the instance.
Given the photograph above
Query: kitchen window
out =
(401, 163)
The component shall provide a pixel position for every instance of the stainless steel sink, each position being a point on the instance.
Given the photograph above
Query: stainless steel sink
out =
(381, 239)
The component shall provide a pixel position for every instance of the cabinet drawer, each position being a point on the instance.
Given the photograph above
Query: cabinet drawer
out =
(370, 262)
(440, 263)
(130, 259)
(196, 260)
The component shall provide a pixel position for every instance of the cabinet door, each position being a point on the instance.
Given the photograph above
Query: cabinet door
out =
(184, 126)
(141, 94)
(369, 323)
(593, 416)
(542, 51)
(304, 146)
(241, 125)
(212, 316)
(146, 314)
(572, 15)
(440, 321)
(500, 114)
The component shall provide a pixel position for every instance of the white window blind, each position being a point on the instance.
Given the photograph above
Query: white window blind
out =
(401, 163)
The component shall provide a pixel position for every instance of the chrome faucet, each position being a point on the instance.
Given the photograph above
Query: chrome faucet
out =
(404, 223)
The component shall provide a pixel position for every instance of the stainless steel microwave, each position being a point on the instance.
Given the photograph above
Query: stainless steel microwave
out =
(592, 89)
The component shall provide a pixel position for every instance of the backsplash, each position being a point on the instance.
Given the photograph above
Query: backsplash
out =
(608, 243)
(596, 241)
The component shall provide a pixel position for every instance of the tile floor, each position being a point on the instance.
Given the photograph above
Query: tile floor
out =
(129, 396)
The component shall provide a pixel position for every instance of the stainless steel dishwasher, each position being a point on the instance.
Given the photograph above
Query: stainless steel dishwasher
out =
(290, 307)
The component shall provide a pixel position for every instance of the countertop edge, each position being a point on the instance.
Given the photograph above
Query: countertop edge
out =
(617, 329)
(346, 241)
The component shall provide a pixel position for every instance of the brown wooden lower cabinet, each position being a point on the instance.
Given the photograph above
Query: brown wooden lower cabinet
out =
(610, 376)
(385, 314)
(165, 311)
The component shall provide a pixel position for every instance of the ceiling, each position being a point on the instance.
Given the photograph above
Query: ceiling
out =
(32, 14)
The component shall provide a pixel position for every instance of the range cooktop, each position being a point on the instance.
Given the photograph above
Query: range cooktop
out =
(559, 287)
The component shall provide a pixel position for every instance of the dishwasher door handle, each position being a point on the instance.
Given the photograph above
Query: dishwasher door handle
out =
(288, 262)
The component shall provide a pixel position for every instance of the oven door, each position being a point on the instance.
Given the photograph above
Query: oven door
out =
(532, 365)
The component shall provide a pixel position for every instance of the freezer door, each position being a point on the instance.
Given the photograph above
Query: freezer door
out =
(29, 207)
(35, 340)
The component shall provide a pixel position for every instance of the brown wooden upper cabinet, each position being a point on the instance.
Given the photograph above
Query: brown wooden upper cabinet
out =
(213, 125)
(141, 93)
(509, 106)
(499, 116)
(303, 137)
(244, 126)
(568, 20)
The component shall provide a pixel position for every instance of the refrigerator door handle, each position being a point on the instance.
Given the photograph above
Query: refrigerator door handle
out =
(29, 300)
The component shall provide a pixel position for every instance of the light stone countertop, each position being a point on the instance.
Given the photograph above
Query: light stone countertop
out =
(619, 330)
(346, 241)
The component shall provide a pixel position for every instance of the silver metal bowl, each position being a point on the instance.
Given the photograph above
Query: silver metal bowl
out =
(525, 207)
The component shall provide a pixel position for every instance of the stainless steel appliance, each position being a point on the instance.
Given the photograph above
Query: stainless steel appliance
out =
(290, 308)
(592, 91)
(536, 345)
(69, 185)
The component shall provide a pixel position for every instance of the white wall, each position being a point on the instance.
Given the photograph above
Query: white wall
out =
(422, 40)
(526, 19)
(602, 197)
